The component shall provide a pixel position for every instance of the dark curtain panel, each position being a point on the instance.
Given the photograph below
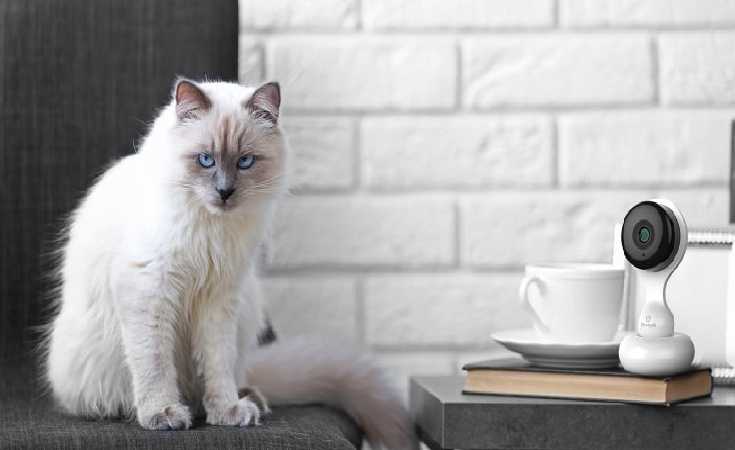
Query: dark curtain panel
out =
(79, 81)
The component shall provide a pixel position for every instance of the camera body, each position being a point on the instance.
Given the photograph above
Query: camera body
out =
(654, 239)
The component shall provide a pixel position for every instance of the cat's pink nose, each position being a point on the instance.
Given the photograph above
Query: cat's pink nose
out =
(224, 194)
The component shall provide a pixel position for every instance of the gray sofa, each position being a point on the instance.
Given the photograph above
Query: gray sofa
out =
(79, 79)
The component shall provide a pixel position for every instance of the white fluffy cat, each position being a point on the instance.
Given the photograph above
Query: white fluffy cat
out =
(159, 307)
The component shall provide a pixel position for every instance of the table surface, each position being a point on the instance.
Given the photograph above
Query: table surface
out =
(448, 419)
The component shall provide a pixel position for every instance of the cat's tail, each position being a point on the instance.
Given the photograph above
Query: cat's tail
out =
(308, 371)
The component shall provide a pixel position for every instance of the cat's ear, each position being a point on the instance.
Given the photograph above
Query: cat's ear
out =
(265, 102)
(190, 100)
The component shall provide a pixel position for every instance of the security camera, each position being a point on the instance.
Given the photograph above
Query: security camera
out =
(654, 239)
(652, 242)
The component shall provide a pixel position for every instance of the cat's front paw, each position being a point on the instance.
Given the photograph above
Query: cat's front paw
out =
(241, 414)
(171, 417)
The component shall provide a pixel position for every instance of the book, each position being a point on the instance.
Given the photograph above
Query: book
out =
(518, 378)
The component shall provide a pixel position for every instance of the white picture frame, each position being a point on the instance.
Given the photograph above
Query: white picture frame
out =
(701, 294)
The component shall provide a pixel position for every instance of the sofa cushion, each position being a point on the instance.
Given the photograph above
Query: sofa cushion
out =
(30, 420)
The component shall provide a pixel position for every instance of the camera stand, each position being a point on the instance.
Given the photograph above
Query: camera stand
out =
(656, 356)
(654, 240)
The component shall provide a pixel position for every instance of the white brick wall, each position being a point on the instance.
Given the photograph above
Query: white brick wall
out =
(440, 145)
(556, 70)
(697, 68)
(439, 309)
(326, 157)
(364, 232)
(469, 14)
(355, 73)
(326, 304)
(449, 151)
(289, 15)
(642, 13)
(644, 148)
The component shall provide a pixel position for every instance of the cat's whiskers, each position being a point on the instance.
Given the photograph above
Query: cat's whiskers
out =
(269, 185)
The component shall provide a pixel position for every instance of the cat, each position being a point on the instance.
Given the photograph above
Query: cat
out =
(159, 306)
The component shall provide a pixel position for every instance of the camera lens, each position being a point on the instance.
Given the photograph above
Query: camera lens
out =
(644, 235)
(650, 236)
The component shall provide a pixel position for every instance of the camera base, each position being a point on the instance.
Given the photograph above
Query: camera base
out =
(656, 356)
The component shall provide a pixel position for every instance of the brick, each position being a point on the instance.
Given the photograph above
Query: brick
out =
(364, 73)
(697, 68)
(250, 61)
(650, 148)
(646, 12)
(516, 228)
(322, 153)
(288, 14)
(436, 152)
(556, 70)
(562, 226)
(314, 306)
(439, 14)
(358, 231)
(440, 309)
(701, 207)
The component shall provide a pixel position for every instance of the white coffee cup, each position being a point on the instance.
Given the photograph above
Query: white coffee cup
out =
(574, 302)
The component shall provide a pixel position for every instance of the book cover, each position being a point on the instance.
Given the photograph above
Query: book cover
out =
(516, 377)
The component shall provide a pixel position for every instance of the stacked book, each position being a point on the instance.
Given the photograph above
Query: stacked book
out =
(518, 378)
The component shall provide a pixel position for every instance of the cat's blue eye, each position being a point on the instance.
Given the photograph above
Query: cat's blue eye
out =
(206, 160)
(245, 162)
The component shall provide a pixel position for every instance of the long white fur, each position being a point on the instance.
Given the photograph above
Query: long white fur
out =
(159, 306)
(307, 370)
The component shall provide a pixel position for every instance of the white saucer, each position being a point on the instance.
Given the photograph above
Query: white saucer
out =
(544, 353)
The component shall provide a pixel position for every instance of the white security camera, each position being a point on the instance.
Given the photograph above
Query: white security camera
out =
(654, 239)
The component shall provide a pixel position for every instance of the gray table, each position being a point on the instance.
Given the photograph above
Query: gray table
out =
(446, 419)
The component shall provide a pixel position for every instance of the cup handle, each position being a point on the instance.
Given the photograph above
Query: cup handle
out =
(526, 302)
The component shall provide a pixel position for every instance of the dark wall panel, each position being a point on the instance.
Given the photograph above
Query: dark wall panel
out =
(79, 80)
